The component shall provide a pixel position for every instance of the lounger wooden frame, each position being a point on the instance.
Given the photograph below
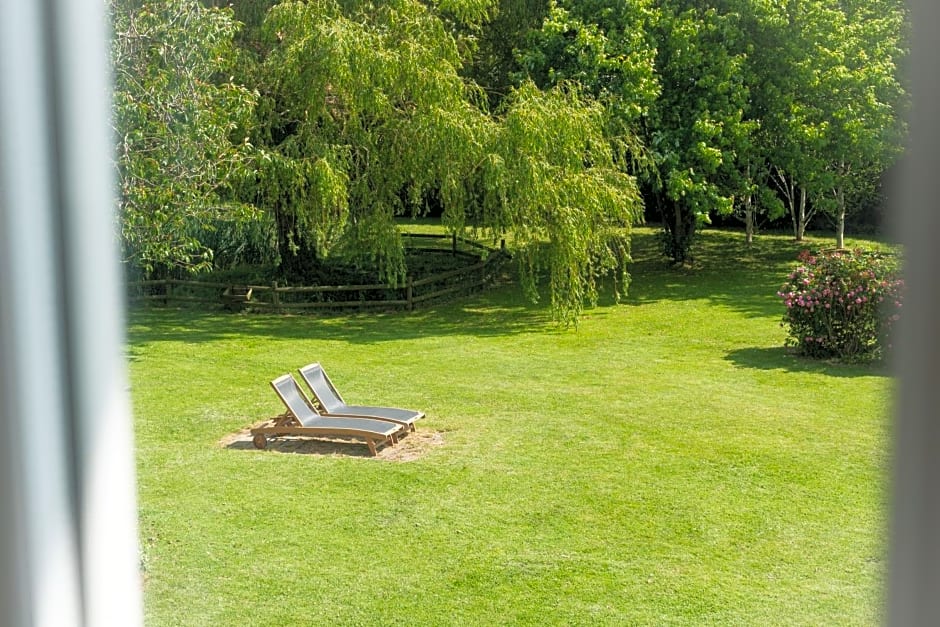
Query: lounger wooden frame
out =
(332, 403)
(301, 419)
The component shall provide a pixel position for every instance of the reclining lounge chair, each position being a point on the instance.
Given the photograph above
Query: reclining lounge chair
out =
(301, 419)
(334, 405)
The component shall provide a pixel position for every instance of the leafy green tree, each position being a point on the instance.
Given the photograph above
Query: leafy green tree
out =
(551, 180)
(699, 126)
(355, 105)
(602, 46)
(859, 98)
(833, 102)
(364, 114)
(330, 118)
(758, 105)
(795, 126)
(765, 75)
(494, 45)
(180, 125)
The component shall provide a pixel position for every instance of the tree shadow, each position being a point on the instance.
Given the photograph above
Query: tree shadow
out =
(725, 271)
(499, 312)
(781, 358)
(410, 446)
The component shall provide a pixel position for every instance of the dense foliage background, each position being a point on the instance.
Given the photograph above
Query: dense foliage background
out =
(289, 133)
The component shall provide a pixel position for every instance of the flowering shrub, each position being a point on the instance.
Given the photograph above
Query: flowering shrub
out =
(843, 303)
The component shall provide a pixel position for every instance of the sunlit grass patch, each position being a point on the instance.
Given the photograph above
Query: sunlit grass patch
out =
(668, 462)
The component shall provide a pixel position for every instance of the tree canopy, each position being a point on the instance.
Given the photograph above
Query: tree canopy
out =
(180, 126)
(552, 122)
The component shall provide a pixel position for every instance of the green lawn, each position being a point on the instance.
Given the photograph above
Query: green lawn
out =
(667, 463)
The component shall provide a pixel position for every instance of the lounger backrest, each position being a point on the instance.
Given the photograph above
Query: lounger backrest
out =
(293, 398)
(322, 388)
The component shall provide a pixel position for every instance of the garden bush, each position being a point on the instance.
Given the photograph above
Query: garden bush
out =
(843, 303)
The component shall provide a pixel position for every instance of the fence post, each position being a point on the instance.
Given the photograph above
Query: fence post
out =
(410, 293)
(276, 298)
(167, 291)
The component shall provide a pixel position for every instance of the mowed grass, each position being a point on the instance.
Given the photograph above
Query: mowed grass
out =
(667, 463)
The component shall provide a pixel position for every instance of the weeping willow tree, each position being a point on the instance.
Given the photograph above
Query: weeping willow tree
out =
(556, 190)
(364, 115)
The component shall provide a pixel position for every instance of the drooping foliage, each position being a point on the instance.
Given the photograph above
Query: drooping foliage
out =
(307, 128)
(330, 118)
(361, 112)
(369, 118)
(564, 216)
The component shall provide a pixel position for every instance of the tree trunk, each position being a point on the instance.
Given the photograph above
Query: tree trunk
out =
(749, 214)
(787, 185)
(796, 203)
(677, 231)
(840, 222)
(802, 217)
(749, 219)
(680, 229)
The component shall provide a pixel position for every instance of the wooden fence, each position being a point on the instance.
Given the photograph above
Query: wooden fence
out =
(474, 277)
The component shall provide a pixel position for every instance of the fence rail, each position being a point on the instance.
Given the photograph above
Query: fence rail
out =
(279, 298)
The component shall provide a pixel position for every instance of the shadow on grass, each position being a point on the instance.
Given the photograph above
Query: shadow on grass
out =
(722, 275)
(784, 359)
(410, 446)
(725, 271)
(499, 312)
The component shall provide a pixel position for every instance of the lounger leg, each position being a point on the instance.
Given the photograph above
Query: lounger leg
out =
(371, 447)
